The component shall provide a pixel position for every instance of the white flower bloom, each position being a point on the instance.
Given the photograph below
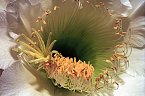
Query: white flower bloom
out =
(19, 80)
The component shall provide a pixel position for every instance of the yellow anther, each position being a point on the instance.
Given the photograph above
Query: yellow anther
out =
(17, 40)
(32, 34)
(63, 1)
(44, 22)
(108, 61)
(110, 14)
(101, 76)
(115, 27)
(37, 21)
(39, 18)
(88, 2)
(98, 6)
(56, 7)
(111, 59)
(47, 12)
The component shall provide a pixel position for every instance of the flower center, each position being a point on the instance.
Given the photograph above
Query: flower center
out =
(68, 48)
(86, 34)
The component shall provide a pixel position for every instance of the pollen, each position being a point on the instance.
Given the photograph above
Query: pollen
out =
(67, 72)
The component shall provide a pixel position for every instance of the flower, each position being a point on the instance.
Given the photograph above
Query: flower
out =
(20, 67)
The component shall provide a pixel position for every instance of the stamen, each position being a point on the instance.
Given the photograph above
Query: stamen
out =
(36, 61)
(47, 12)
(65, 68)
(48, 40)
(28, 47)
(33, 35)
(50, 47)
(98, 6)
(32, 43)
(28, 39)
(41, 42)
(35, 55)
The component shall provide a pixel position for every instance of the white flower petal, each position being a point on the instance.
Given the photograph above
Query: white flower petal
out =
(136, 32)
(133, 86)
(119, 7)
(46, 4)
(14, 86)
(3, 21)
(137, 62)
(134, 78)
(123, 8)
(11, 6)
(6, 43)
(34, 2)
(2, 5)
(24, 12)
(126, 3)
(18, 81)
(29, 13)
(136, 3)
(13, 35)
(138, 8)
(12, 17)
(1, 70)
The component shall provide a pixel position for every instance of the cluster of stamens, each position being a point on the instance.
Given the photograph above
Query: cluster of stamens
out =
(118, 63)
(71, 74)
(118, 26)
(105, 79)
